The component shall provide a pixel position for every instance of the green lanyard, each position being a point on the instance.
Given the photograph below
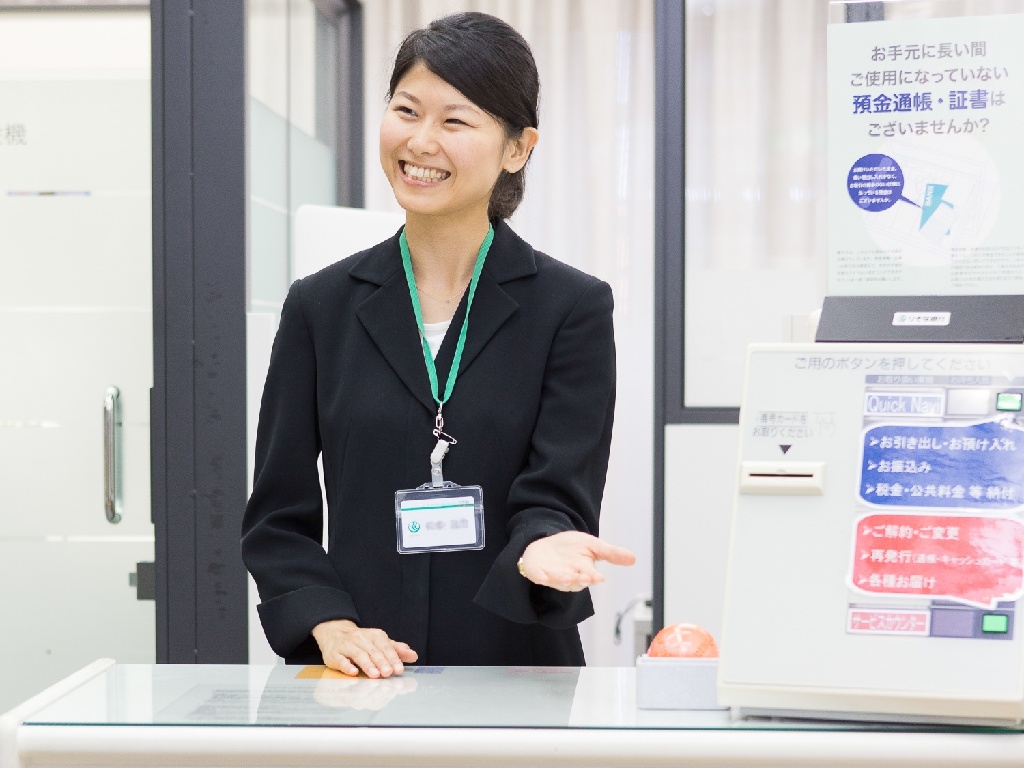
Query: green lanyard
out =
(427, 357)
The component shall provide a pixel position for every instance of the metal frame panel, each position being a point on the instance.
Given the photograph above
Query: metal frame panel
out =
(199, 279)
(350, 105)
(74, 5)
(670, 211)
(668, 278)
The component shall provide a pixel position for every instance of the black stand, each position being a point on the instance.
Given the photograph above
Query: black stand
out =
(978, 319)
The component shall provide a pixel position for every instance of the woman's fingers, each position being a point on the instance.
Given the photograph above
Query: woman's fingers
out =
(610, 553)
(350, 648)
(565, 561)
(383, 655)
(364, 660)
(405, 653)
(342, 663)
(565, 578)
(380, 658)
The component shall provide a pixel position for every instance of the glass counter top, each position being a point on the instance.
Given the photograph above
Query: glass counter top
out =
(423, 697)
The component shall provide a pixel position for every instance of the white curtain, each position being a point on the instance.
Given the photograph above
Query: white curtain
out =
(589, 202)
(755, 140)
(755, 235)
(930, 9)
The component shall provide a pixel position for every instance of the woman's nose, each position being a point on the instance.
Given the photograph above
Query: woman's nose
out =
(423, 139)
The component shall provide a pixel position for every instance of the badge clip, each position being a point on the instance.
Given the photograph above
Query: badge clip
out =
(436, 457)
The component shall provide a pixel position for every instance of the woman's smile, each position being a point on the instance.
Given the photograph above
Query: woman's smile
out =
(422, 174)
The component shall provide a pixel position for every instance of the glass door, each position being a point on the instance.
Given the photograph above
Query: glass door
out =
(75, 343)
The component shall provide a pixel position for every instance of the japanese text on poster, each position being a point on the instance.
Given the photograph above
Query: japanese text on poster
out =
(924, 159)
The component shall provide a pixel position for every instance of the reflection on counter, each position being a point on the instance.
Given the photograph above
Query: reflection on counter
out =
(423, 697)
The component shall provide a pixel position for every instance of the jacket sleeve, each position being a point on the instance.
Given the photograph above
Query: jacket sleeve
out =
(561, 486)
(282, 528)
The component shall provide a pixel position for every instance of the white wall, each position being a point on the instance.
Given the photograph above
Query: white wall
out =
(700, 481)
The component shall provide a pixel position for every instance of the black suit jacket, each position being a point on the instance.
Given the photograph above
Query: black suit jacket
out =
(532, 411)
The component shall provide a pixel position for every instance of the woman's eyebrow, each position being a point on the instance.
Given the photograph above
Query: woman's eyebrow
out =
(461, 108)
(457, 107)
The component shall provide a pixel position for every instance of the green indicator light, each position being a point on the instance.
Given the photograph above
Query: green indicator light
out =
(995, 623)
(1009, 401)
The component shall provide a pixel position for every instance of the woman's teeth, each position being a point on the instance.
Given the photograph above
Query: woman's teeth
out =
(424, 174)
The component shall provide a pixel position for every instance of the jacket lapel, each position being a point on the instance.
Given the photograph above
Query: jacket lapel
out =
(388, 318)
(510, 258)
(491, 308)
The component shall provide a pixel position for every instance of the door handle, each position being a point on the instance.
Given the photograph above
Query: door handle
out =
(112, 498)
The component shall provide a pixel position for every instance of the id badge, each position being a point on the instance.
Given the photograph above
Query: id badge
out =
(442, 519)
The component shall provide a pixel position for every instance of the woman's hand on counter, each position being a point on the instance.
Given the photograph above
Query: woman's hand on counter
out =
(350, 648)
(567, 561)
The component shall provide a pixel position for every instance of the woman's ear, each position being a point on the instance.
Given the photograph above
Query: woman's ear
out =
(519, 149)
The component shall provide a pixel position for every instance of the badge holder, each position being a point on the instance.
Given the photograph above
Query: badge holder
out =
(439, 516)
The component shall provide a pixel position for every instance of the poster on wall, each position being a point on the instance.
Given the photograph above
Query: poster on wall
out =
(925, 157)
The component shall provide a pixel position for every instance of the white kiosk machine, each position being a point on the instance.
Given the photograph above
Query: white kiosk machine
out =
(875, 567)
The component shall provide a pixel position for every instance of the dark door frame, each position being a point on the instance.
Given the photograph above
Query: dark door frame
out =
(197, 407)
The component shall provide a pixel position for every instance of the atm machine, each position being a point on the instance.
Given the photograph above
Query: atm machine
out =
(875, 567)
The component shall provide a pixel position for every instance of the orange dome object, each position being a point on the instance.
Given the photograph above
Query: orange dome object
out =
(686, 640)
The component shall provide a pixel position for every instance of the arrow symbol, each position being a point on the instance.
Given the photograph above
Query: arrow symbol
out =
(785, 448)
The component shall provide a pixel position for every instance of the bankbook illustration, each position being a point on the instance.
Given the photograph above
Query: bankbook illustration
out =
(928, 201)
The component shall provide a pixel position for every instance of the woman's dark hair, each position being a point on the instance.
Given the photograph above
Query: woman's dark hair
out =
(490, 64)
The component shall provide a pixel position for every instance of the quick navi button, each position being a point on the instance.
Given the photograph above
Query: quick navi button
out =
(1009, 401)
(995, 623)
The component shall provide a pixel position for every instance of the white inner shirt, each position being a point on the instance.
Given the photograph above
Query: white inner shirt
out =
(434, 333)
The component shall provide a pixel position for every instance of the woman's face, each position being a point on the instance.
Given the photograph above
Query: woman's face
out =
(442, 153)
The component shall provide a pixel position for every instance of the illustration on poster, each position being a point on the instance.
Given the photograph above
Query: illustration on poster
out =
(876, 183)
(949, 183)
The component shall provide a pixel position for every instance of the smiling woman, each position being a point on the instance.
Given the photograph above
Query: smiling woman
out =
(500, 80)
(492, 569)
(443, 155)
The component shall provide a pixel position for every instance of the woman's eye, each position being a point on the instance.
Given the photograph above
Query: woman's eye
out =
(455, 121)
(403, 110)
